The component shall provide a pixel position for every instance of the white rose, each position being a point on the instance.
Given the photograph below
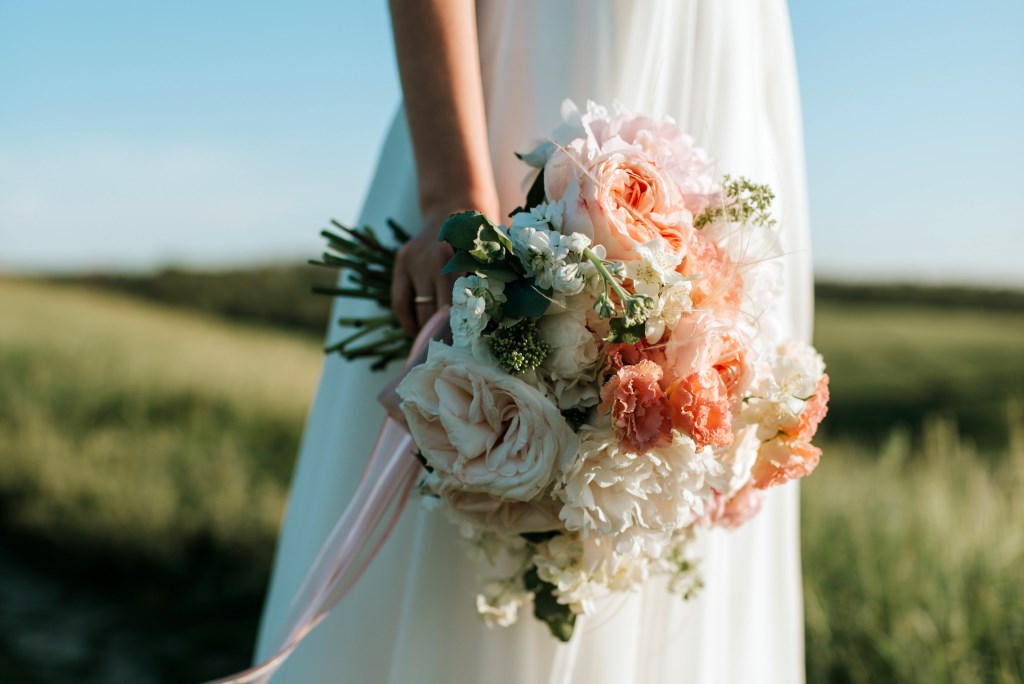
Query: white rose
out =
(483, 430)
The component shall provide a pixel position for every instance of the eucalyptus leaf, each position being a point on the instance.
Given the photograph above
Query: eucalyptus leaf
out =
(524, 300)
(462, 230)
(502, 272)
(461, 262)
(557, 616)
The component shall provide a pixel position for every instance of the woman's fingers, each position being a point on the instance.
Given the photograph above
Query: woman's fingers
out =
(402, 295)
(425, 299)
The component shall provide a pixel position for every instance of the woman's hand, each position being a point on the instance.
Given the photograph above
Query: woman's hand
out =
(419, 288)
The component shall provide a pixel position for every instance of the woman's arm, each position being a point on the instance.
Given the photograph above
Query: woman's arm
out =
(439, 64)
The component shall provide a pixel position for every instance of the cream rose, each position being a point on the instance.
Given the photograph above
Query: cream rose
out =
(482, 430)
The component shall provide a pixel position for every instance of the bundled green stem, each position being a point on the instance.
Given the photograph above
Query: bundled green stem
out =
(368, 265)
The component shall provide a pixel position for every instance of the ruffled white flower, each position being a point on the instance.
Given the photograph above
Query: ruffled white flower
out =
(738, 459)
(474, 300)
(654, 274)
(611, 491)
(500, 602)
(785, 381)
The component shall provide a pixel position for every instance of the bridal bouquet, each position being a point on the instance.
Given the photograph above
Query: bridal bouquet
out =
(613, 381)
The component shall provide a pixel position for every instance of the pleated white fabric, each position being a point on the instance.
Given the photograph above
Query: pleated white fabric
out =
(724, 69)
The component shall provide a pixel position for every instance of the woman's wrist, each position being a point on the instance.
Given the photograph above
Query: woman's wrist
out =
(437, 208)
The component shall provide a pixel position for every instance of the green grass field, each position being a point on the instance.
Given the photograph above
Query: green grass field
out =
(145, 452)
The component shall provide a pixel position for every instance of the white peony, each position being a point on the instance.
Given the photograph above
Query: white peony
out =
(611, 491)
(482, 430)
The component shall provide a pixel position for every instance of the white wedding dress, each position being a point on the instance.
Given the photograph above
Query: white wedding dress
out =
(724, 69)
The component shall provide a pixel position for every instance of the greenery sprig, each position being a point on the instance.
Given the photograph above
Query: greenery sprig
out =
(743, 202)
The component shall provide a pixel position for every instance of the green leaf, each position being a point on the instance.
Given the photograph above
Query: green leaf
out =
(558, 617)
(534, 196)
(491, 244)
(524, 300)
(628, 334)
(502, 272)
(461, 230)
(461, 262)
(539, 537)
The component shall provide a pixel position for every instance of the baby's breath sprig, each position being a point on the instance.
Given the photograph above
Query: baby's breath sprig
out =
(743, 202)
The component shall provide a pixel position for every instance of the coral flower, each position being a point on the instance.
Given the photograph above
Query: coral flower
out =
(639, 409)
(621, 354)
(813, 413)
(783, 459)
(731, 512)
(700, 404)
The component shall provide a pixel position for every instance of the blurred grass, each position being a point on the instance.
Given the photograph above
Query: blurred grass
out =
(914, 560)
(145, 452)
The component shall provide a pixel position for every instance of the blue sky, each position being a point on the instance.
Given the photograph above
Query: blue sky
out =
(135, 135)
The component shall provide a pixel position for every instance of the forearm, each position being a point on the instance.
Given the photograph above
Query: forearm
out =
(439, 64)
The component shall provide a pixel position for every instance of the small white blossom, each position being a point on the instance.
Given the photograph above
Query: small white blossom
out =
(474, 299)
(655, 275)
(545, 214)
(500, 602)
(568, 279)
(559, 561)
(575, 242)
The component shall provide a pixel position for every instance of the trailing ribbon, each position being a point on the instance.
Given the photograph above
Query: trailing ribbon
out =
(391, 473)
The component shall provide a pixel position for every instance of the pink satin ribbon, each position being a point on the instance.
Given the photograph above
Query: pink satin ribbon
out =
(391, 473)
